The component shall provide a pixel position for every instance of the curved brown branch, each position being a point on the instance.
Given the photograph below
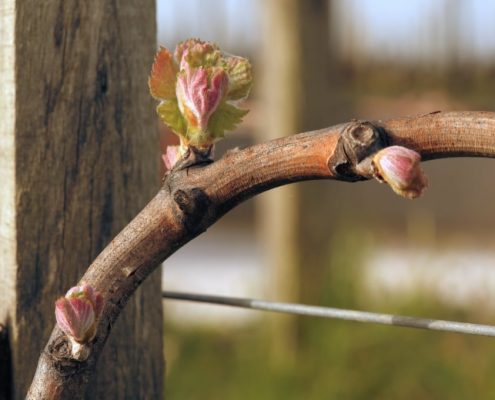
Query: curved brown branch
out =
(193, 198)
(446, 134)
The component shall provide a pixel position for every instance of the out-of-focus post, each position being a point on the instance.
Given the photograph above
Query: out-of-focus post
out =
(295, 77)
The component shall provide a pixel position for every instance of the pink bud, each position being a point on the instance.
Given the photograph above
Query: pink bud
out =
(75, 317)
(400, 168)
(171, 156)
(199, 92)
(77, 313)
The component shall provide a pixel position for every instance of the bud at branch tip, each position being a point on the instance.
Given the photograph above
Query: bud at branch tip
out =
(199, 88)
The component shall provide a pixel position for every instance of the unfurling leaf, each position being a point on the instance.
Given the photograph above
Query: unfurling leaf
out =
(163, 76)
(198, 88)
(226, 118)
(240, 78)
(199, 93)
(197, 53)
(170, 114)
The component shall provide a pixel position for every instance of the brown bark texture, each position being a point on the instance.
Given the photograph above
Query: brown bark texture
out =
(77, 162)
(194, 197)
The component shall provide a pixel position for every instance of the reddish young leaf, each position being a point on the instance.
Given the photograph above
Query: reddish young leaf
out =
(163, 76)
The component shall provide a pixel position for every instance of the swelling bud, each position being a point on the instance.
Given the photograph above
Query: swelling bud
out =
(77, 314)
(400, 168)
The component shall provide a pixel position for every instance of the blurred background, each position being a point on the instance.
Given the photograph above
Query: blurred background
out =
(317, 63)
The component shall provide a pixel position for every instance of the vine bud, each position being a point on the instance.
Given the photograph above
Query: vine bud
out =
(77, 314)
(400, 168)
(199, 89)
(171, 156)
(199, 92)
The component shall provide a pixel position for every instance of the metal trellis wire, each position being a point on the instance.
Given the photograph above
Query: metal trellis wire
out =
(337, 313)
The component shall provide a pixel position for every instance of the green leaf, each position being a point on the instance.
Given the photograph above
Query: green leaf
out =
(225, 118)
(170, 114)
(240, 77)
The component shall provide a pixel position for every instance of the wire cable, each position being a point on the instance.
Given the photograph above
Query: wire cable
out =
(337, 313)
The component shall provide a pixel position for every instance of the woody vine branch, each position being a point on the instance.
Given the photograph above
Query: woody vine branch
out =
(199, 92)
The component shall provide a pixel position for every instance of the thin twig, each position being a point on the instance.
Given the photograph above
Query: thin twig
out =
(337, 313)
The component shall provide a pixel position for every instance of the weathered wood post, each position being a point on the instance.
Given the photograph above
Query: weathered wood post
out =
(78, 160)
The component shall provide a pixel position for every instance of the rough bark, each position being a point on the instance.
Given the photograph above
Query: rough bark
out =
(78, 161)
(193, 198)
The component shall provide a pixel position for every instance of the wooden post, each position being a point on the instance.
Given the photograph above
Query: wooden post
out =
(78, 160)
(296, 96)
